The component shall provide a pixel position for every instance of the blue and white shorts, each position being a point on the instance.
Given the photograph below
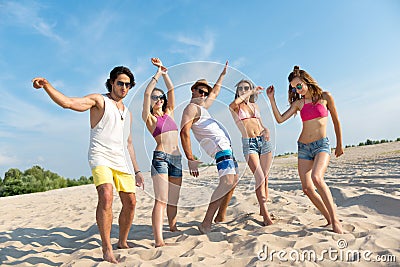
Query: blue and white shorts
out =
(226, 163)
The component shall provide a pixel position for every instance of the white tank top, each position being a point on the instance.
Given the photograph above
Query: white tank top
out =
(108, 140)
(211, 134)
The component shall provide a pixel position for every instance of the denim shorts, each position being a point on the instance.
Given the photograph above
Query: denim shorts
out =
(256, 145)
(310, 150)
(164, 163)
(226, 163)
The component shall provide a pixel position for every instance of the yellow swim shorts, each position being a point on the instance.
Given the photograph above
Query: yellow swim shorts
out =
(124, 182)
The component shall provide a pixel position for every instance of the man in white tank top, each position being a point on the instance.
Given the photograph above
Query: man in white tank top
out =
(111, 153)
(215, 140)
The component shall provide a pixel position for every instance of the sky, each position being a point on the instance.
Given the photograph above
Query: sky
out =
(349, 47)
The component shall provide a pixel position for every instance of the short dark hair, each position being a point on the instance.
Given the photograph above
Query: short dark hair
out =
(118, 71)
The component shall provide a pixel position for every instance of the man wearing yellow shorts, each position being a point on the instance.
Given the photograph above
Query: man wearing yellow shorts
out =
(110, 152)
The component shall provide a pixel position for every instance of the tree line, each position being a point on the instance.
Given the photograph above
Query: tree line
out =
(35, 179)
(374, 142)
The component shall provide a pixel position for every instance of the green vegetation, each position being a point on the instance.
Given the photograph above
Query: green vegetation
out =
(35, 179)
(374, 142)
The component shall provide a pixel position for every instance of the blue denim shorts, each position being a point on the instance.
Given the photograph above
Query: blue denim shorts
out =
(226, 163)
(164, 163)
(256, 145)
(310, 150)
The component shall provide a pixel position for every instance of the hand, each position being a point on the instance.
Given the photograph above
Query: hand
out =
(266, 134)
(139, 180)
(157, 62)
(339, 151)
(225, 68)
(39, 82)
(270, 91)
(194, 167)
(258, 89)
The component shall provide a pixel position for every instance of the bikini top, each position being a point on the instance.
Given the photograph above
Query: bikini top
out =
(312, 111)
(164, 124)
(244, 114)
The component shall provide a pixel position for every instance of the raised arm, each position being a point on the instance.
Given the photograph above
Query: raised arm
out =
(146, 114)
(216, 89)
(235, 103)
(74, 103)
(336, 123)
(278, 116)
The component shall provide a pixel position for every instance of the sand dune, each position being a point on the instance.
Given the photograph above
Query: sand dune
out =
(57, 228)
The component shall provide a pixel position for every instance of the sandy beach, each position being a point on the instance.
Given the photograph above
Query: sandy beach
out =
(58, 228)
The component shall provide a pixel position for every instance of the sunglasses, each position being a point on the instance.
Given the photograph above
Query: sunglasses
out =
(243, 88)
(157, 97)
(202, 92)
(298, 87)
(121, 84)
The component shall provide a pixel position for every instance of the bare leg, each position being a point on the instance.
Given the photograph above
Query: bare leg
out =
(174, 188)
(104, 219)
(226, 184)
(304, 168)
(317, 175)
(160, 185)
(126, 217)
(221, 215)
(254, 163)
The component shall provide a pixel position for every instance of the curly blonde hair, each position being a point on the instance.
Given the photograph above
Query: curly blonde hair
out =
(313, 87)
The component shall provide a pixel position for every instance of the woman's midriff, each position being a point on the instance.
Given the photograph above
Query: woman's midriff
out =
(313, 130)
(250, 128)
(168, 142)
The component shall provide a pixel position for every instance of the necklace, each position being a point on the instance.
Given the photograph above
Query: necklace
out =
(120, 113)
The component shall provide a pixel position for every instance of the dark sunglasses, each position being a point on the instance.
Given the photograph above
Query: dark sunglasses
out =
(121, 84)
(202, 92)
(157, 97)
(298, 87)
(243, 88)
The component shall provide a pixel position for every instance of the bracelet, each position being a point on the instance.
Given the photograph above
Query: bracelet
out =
(137, 172)
(155, 79)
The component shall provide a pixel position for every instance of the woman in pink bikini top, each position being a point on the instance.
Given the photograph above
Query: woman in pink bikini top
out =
(306, 96)
(166, 166)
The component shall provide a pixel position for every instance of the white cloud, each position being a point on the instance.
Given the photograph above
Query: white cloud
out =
(25, 15)
(8, 160)
(193, 47)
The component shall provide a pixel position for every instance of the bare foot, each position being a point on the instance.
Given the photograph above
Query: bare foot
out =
(203, 230)
(267, 222)
(123, 245)
(165, 245)
(337, 227)
(109, 256)
(174, 229)
(219, 219)
(159, 245)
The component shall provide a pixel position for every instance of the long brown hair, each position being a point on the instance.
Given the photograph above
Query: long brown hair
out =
(313, 87)
(164, 97)
(253, 97)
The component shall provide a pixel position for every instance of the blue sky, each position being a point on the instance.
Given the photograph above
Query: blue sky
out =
(350, 47)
